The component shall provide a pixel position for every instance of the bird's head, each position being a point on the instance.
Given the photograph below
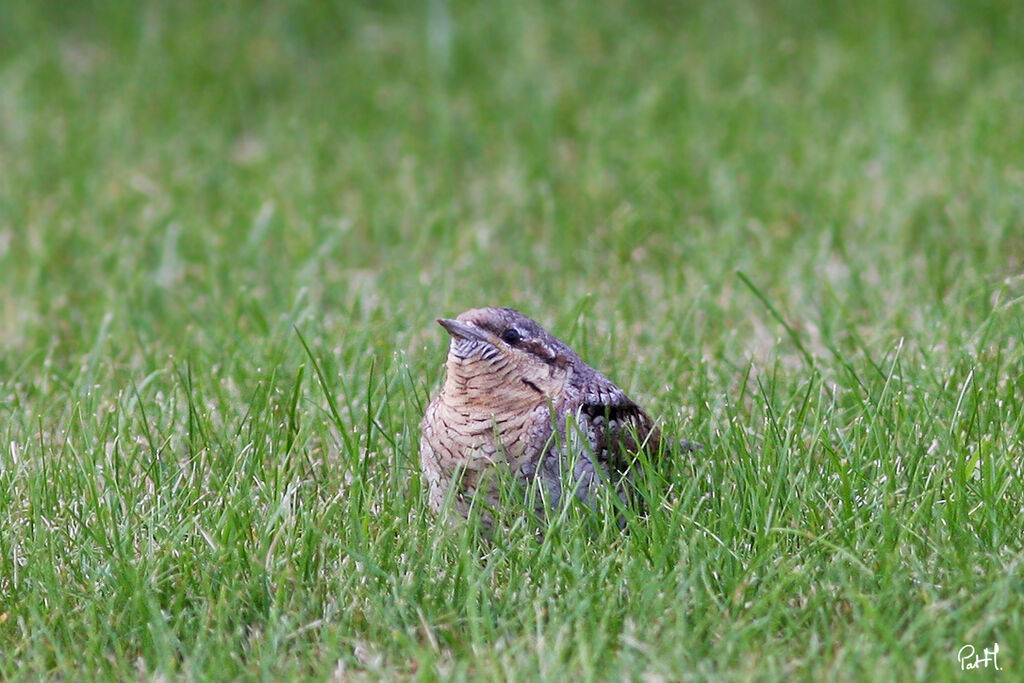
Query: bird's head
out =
(500, 354)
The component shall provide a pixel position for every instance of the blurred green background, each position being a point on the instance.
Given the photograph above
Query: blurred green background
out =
(184, 162)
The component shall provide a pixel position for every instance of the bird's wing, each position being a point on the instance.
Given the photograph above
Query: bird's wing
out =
(619, 426)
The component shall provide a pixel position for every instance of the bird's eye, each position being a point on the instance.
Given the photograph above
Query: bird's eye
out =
(511, 336)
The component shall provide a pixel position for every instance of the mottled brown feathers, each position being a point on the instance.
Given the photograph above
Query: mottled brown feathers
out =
(518, 399)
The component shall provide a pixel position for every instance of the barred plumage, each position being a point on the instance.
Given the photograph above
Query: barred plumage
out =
(511, 397)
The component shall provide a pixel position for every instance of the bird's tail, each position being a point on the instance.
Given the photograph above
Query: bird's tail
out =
(684, 446)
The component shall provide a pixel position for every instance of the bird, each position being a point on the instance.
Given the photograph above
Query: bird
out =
(516, 400)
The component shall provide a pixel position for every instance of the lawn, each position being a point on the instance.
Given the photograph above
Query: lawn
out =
(793, 231)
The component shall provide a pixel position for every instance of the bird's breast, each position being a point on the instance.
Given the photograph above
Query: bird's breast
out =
(474, 436)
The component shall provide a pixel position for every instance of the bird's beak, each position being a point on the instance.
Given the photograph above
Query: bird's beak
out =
(461, 330)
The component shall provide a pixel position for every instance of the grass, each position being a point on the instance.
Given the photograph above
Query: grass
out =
(794, 232)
